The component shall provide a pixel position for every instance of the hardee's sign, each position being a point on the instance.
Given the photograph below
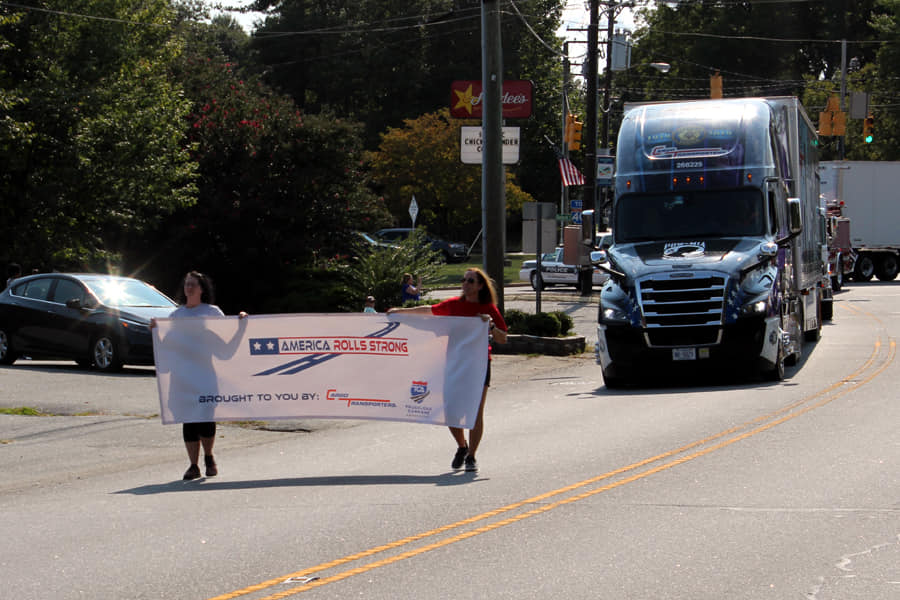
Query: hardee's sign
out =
(466, 99)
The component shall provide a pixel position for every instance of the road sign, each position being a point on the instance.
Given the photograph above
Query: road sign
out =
(470, 145)
(605, 166)
(413, 210)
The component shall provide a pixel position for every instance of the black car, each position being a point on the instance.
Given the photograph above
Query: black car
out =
(449, 251)
(95, 320)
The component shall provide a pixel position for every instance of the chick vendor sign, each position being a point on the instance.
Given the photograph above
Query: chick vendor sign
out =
(415, 368)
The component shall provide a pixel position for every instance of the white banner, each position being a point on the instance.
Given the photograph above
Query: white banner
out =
(400, 367)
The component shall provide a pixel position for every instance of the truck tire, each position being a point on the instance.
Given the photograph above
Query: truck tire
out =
(865, 268)
(828, 310)
(886, 269)
(776, 373)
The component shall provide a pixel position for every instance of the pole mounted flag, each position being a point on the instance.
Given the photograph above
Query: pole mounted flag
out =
(570, 173)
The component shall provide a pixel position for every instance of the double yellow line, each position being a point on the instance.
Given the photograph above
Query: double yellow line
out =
(872, 367)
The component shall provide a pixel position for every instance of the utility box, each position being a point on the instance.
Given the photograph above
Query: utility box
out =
(538, 220)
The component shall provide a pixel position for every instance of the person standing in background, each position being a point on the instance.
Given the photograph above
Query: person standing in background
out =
(408, 291)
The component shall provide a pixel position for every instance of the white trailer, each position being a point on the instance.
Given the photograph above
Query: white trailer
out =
(869, 194)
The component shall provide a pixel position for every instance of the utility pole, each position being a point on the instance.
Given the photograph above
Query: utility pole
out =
(493, 175)
(589, 142)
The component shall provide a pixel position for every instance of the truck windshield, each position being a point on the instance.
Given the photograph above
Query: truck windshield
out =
(688, 215)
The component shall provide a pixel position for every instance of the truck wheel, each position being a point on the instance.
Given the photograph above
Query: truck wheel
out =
(865, 268)
(828, 310)
(776, 373)
(537, 282)
(887, 268)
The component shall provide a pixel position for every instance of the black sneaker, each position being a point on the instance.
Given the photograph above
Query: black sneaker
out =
(211, 469)
(471, 464)
(193, 472)
(459, 458)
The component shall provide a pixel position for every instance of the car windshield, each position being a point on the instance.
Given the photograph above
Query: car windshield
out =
(120, 292)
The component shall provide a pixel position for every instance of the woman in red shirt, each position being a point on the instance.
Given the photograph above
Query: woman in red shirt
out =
(478, 299)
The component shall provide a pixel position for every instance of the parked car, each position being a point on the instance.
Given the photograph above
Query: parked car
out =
(556, 272)
(367, 238)
(450, 251)
(95, 320)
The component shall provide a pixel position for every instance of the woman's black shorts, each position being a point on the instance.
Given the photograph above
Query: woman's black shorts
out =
(192, 432)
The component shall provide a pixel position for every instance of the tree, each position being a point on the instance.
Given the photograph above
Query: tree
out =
(423, 159)
(385, 62)
(106, 155)
(279, 191)
(760, 49)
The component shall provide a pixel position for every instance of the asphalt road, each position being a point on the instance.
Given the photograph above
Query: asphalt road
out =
(737, 490)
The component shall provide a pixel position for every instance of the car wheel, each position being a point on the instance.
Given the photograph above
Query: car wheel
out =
(105, 353)
(537, 282)
(7, 353)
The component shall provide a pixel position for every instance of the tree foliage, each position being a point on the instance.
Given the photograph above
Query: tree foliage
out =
(422, 158)
(103, 155)
(277, 189)
(397, 59)
(761, 49)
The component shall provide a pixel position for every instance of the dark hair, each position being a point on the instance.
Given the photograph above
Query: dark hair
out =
(13, 270)
(208, 296)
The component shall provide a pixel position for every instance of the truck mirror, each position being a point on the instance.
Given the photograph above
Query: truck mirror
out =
(795, 215)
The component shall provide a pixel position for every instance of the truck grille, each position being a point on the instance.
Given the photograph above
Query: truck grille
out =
(681, 309)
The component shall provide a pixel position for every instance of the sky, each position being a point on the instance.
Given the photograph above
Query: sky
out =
(575, 17)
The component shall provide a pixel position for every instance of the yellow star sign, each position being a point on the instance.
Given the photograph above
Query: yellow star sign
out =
(464, 99)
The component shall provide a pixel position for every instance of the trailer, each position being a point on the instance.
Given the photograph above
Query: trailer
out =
(718, 255)
(866, 194)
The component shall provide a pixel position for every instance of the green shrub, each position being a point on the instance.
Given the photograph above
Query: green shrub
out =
(552, 324)
(543, 325)
(515, 320)
(566, 324)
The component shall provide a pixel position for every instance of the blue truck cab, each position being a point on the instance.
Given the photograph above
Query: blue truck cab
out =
(716, 258)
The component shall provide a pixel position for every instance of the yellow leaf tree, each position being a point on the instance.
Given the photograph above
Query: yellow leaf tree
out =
(422, 158)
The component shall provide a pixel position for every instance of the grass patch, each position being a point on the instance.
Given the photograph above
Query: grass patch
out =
(23, 411)
(449, 274)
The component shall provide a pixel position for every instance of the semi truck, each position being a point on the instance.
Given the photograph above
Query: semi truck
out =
(718, 254)
(862, 196)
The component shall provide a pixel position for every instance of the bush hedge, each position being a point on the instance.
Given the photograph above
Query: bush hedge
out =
(552, 324)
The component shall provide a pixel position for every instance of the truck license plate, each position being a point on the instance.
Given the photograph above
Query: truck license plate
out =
(684, 354)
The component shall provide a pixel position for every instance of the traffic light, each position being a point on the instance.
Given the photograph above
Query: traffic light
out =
(869, 129)
(573, 132)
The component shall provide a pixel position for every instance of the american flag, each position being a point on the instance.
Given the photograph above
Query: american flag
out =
(570, 173)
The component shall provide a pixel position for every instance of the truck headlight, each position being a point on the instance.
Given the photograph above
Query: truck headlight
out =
(613, 314)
